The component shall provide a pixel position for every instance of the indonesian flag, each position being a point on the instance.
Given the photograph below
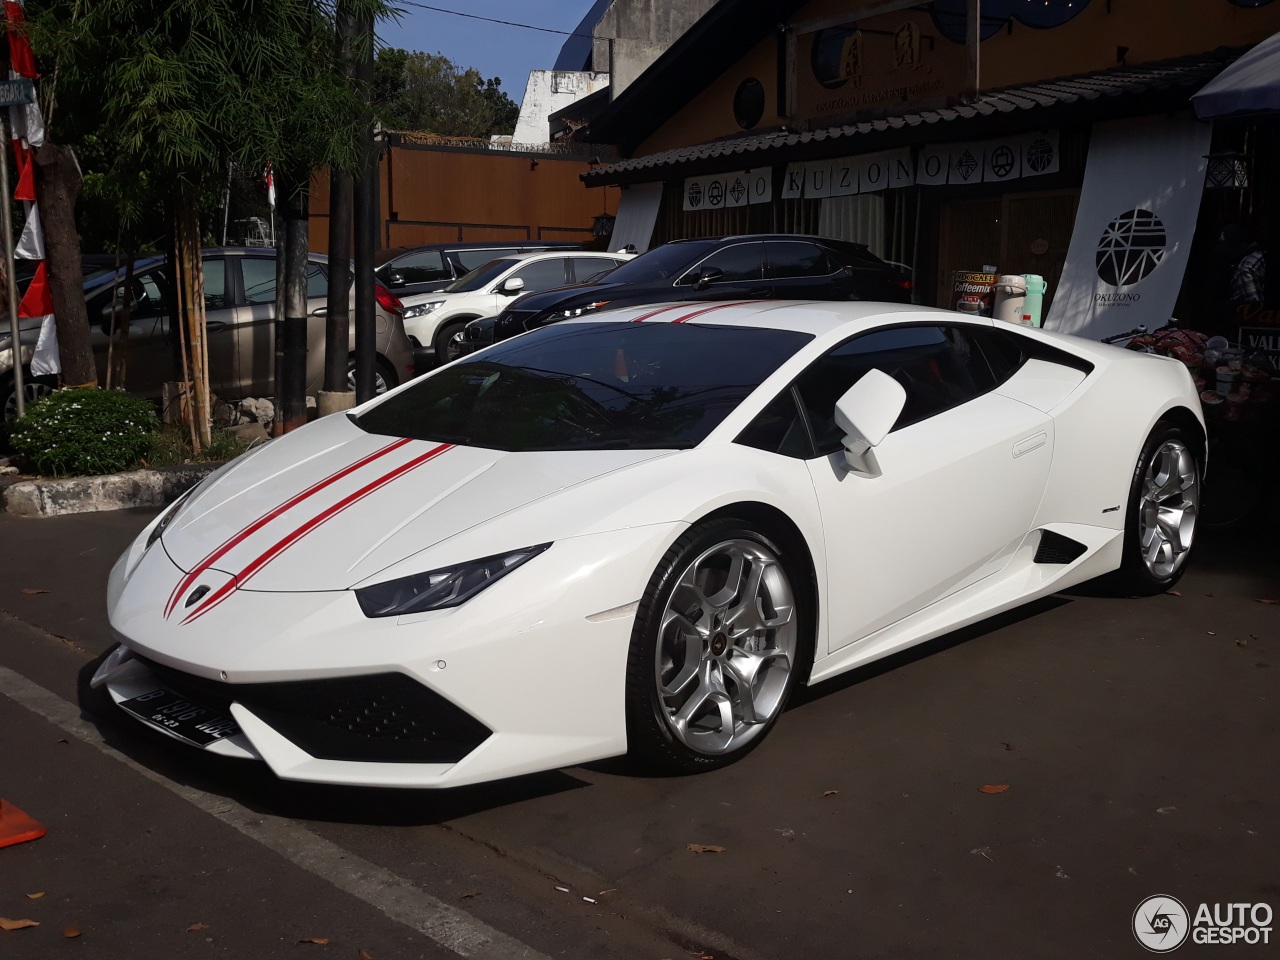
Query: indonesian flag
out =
(38, 302)
(271, 186)
(31, 243)
(21, 57)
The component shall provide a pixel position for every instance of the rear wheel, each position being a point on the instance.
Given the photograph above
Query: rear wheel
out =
(1163, 509)
(384, 375)
(720, 638)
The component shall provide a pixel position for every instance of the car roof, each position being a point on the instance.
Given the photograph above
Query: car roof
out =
(391, 253)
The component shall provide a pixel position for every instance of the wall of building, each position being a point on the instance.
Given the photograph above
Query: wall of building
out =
(440, 193)
(548, 91)
(881, 76)
(634, 33)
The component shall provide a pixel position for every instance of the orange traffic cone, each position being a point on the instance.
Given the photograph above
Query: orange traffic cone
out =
(16, 826)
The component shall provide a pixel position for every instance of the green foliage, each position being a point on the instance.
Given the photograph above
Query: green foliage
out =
(424, 91)
(84, 432)
(186, 86)
(171, 447)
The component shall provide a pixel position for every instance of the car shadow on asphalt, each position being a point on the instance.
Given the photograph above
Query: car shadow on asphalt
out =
(252, 784)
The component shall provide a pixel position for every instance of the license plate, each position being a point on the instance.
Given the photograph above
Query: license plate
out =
(180, 716)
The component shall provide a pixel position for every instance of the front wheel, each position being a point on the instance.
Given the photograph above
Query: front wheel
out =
(1163, 509)
(721, 636)
(33, 388)
(447, 342)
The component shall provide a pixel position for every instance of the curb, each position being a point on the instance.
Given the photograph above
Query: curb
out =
(116, 491)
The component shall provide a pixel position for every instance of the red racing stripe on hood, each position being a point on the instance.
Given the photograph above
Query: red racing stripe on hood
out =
(245, 532)
(280, 546)
(718, 306)
(653, 313)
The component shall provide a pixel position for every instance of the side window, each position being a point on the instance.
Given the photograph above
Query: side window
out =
(584, 268)
(470, 259)
(215, 284)
(259, 276)
(542, 274)
(797, 258)
(938, 366)
(740, 263)
(421, 267)
(1003, 352)
(779, 428)
(146, 295)
(317, 281)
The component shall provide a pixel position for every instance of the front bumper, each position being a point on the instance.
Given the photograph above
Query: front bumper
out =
(528, 676)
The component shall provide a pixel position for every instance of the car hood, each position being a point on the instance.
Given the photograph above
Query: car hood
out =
(331, 505)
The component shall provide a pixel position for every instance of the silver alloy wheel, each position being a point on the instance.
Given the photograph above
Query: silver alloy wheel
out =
(32, 390)
(726, 647)
(379, 381)
(1167, 509)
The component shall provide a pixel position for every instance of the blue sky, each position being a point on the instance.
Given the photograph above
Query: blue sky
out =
(493, 49)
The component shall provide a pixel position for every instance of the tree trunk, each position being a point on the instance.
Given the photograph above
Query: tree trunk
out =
(293, 390)
(59, 184)
(366, 214)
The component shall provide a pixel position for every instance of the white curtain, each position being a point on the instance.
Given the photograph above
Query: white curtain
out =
(859, 218)
(637, 213)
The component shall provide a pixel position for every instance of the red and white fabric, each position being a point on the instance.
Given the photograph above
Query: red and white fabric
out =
(26, 131)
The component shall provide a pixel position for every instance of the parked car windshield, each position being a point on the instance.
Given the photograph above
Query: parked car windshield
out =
(481, 275)
(665, 263)
(589, 386)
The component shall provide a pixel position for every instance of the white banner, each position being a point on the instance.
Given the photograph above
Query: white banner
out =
(721, 190)
(1040, 153)
(793, 182)
(933, 165)
(967, 161)
(1133, 229)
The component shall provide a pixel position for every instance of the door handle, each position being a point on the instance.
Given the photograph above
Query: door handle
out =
(320, 312)
(216, 326)
(1023, 447)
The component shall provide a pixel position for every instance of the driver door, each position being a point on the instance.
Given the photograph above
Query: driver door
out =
(961, 476)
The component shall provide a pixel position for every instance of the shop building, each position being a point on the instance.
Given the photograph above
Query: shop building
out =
(1050, 137)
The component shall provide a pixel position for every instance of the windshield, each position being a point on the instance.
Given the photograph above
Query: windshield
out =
(665, 263)
(590, 386)
(481, 275)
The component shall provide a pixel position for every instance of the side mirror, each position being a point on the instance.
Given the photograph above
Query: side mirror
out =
(512, 285)
(709, 275)
(395, 280)
(865, 415)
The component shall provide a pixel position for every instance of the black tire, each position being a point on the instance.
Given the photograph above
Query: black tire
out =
(384, 374)
(652, 738)
(444, 337)
(1138, 573)
(34, 388)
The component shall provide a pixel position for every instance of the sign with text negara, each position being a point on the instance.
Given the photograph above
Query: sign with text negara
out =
(14, 93)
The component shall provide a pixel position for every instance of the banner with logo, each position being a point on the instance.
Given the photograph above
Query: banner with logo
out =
(989, 161)
(846, 176)
(724, 190)
(1133, 229)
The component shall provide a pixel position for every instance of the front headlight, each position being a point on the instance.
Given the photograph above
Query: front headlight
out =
(422, 309)
(585, 308)
(438, 589)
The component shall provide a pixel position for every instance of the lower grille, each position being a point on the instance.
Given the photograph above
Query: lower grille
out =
(386, 717)
(1055, 548)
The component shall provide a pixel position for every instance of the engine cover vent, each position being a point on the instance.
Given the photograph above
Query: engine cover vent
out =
(1055, 548)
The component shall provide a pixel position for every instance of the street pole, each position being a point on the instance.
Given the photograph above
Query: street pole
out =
(15, 344)
(365, 215)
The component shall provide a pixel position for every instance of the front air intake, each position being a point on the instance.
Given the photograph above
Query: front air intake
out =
(1055, 548)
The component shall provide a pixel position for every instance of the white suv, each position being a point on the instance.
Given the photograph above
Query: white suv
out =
(432, 320)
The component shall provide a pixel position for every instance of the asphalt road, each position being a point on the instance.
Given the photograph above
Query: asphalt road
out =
(1137, 739)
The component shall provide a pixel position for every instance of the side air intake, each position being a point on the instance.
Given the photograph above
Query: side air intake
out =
(1055, 548)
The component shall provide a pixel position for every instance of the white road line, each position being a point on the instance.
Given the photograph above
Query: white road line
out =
(398, 898)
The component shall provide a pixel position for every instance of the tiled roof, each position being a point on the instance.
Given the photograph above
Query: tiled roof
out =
(1120, 91)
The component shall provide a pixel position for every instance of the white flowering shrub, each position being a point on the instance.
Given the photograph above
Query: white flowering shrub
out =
(84, 432)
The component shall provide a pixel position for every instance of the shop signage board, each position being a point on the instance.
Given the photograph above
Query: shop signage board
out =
(1133, 229)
